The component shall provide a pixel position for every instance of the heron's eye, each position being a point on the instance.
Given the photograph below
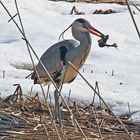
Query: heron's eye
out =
(85, 25)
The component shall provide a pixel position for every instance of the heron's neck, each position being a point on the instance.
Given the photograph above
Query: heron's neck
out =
(83, 38)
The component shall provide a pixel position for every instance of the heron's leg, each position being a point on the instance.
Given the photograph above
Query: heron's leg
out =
(57, 106)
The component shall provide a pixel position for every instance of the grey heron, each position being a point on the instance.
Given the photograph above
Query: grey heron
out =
(56, 57)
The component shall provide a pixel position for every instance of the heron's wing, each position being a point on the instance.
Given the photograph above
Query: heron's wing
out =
(54, 59)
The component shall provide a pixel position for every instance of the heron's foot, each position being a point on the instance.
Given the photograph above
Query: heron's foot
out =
(57, 114)
(59, 122)
(69, 120)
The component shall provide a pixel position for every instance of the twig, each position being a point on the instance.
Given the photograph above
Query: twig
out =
(28, 45)
(18, 92)
(12, 17)
(87, 106)
(36, 57)
(3, 75)
(95, 116)
(94, 111)
(112, 73)
(44, 125)
(80, 129)
(24, 36)
(99, 94)
(101, 99)
(70, 101)
(83, 70)
(28, 75)
(71, 114)
(74, 10)
(129, 112)
(93, 97)
(23, 33)
(75, 107)
(69, 96)
(47, 92)
(133, 18)
(136, 7)
(50, 99)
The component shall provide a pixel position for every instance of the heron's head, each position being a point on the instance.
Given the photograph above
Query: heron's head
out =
(82, 25)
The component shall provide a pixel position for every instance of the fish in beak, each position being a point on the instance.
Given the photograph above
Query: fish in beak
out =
(104, 38)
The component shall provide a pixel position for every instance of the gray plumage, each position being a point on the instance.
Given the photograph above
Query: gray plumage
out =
(56, 57)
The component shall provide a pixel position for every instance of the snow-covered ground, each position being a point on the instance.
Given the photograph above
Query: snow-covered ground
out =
(45, 20)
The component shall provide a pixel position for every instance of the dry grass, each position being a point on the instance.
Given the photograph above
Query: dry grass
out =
(99, 1)
(26, 117)
(23, 117)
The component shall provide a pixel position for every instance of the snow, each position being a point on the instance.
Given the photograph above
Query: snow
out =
(45, 20)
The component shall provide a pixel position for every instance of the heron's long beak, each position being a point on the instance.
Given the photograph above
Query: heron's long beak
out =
(94, 31)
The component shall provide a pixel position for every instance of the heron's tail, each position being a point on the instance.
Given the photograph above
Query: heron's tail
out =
(34, 77)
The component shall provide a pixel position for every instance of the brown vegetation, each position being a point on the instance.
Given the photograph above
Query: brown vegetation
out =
(99, 1)
(75, 11)
(26, 117)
